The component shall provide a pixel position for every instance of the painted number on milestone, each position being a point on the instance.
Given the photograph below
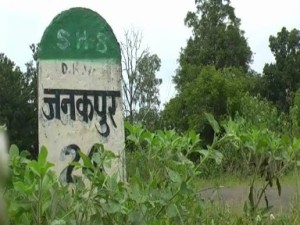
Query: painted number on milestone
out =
(83, 41)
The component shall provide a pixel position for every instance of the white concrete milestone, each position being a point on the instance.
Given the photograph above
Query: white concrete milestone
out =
(79, 88)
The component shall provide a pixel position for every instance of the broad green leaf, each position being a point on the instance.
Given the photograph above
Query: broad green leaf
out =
(42, 158)
(76, 164)
(35, 168)
(86, 160)
(47, 183)
(137, 194)
(184, 188)
(213, 122)
(171, 211)
(13, 151)
(46, 204)
(174, 176)
(112, 207)
(21, 187)
(203, 152)
(58, 222)
(136, 218)
(46, 168)
(216, 155)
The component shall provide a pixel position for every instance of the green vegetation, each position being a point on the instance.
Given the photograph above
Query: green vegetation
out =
(18, 103)
(163, 185)
(140, 85)
(281, 79)
(227, 126)
(160, 187)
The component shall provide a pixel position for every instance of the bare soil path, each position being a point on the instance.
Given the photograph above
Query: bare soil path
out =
(237, 195)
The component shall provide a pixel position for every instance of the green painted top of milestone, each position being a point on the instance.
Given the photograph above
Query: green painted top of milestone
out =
(79, 33)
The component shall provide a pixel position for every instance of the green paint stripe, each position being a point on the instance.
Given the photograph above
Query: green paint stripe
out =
(79, 33)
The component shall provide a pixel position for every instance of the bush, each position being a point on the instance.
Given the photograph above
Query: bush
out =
(160, 187)
(162, 181)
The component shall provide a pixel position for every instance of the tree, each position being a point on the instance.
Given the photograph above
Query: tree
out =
(216, 40)
(140, 85)
(215, 91)
(282, 78)
(17, 103)
(213, 71)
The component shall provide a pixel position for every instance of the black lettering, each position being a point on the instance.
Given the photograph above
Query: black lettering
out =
(64, 68)
(53, 102)
(68, 151)
(75, 69)
(71, 102)
(104, 128)
(74, 149)
(84, 106)
(112, 110)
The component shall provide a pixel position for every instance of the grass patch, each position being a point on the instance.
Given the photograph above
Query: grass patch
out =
(285, 209)
(226, 180)
(232, 180)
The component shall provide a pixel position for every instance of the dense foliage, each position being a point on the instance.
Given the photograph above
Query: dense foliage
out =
(216, 40)
(162, 182)
(213, 73)
(282, 78)
(215, 91)
(160, 189)
(214, 76)
(249, 126)
(17, 103)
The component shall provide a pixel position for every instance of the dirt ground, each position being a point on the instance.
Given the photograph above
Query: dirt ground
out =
(236, 197)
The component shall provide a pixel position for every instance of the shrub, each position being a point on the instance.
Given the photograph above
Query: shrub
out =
(160, 187)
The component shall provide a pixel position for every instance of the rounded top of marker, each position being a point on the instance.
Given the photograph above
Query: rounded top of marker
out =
(79, 33)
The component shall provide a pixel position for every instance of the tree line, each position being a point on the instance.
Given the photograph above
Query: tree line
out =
(214, 76)
(214, 73)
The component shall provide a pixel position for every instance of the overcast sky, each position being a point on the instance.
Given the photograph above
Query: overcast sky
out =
(161, 21)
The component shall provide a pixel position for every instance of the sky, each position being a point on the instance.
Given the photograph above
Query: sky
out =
(161, 21)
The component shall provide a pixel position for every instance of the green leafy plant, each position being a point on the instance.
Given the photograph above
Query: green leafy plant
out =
(161, 187)
(31, 189)
(261, 154)
(161, 159)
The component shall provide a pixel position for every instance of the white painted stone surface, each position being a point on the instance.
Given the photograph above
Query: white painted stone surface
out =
(55, 134)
